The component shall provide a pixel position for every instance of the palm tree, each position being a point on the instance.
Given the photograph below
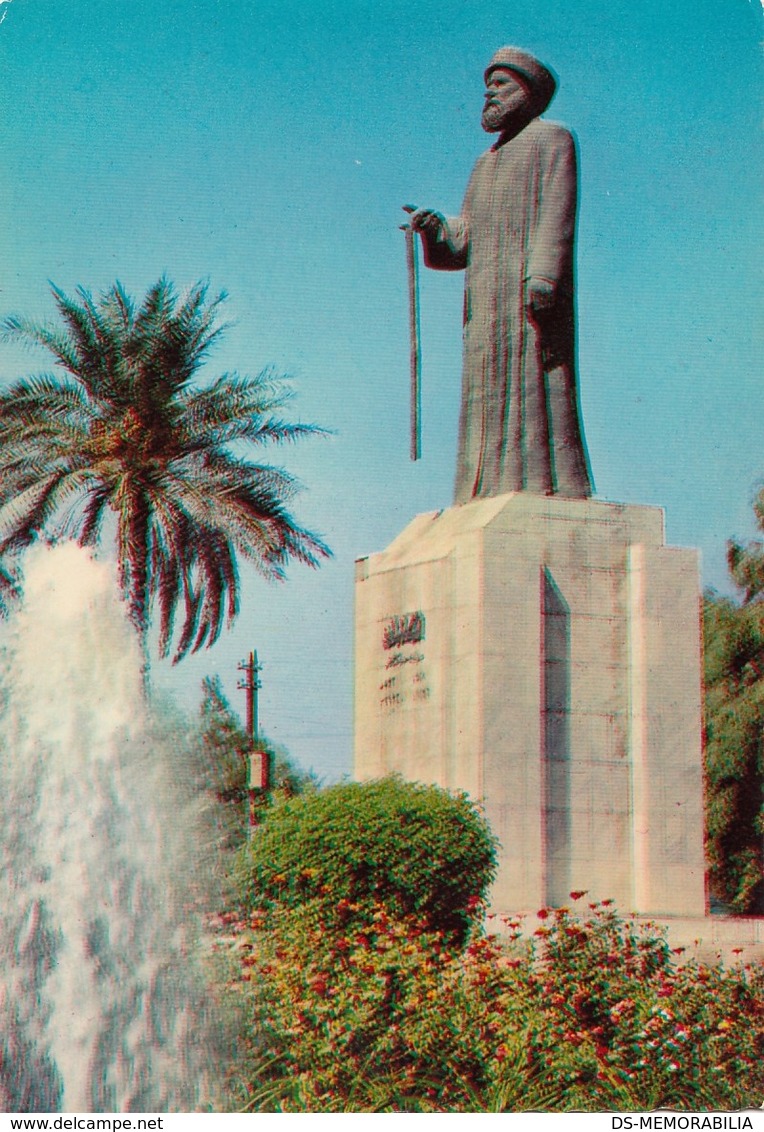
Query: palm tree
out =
(124, 432)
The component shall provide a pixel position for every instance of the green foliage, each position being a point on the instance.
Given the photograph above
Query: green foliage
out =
(416, 850)
(123, 431)
(734, 724)
(746, 563)
(592, 1013)
(224, 745)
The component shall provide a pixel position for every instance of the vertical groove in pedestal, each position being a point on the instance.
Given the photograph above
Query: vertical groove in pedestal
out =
(640, 821)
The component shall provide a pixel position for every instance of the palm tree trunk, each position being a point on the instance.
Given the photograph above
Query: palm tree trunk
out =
(134, 566)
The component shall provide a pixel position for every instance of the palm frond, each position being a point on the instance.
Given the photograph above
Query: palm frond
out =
(240, 408)
(252, 516)
(43, 418)
(197, 322)
(31, 334)
(169, 582)
(27, 514)
(118, 311)
(133, 526)
(196, 565)
(173, 537)
(218, 576)
(170, 344)
(95, 348)
(193, 608)
(93, 514)
(44, 392)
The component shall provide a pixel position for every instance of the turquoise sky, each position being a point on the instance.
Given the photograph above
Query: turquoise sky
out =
(269, 147)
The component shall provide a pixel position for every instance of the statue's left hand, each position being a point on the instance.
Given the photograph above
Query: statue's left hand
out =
(541, 294)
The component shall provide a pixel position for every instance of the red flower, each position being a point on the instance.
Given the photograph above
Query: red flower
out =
(542, 913)
(580, 1000)
(577, 895)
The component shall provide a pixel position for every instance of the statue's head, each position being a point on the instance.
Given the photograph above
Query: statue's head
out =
(518, 87)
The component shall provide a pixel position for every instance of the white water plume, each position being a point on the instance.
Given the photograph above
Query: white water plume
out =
(103, 850)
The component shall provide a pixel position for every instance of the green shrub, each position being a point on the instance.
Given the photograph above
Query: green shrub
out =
(592, 1013)
(414, 850)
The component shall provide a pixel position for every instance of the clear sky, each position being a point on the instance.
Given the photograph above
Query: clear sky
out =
(268, 147)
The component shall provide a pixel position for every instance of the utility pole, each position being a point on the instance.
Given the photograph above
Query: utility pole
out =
(251, 685)
(257, 758)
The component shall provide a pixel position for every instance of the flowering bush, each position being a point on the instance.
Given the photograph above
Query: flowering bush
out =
(627, 1022)
(416, 850)
(384, 1014)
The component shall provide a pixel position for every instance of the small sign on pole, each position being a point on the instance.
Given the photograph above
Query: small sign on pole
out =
(258, 776)
(258, 780)
(258, 760)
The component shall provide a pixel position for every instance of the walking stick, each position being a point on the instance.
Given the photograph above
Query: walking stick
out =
(416, 361)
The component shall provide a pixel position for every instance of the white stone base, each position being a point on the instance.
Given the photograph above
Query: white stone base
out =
(544, 656)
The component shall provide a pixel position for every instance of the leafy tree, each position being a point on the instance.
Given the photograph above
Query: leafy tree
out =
(224, 745)
(124, 432)
(416, 850)
(734, 720)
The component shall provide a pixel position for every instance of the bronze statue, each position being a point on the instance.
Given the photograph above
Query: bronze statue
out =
(520, 427)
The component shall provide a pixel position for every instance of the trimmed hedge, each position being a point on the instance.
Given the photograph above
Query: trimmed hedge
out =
(415, 850)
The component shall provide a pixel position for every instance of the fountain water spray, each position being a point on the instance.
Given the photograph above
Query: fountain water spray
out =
(104, 848)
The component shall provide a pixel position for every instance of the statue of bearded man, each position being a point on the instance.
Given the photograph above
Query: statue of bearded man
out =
(520, 427)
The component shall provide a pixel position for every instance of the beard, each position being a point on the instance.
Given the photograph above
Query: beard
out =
(502, 114)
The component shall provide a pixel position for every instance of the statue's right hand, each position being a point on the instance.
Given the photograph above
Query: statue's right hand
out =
(426, 220)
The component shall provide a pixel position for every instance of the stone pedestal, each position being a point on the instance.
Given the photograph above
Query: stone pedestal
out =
(544, 656)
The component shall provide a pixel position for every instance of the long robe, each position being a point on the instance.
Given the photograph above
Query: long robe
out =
(520, 427)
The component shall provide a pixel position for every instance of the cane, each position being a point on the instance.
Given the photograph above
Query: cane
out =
(415, 355)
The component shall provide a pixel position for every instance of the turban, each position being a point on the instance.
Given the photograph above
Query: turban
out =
(541, 81)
